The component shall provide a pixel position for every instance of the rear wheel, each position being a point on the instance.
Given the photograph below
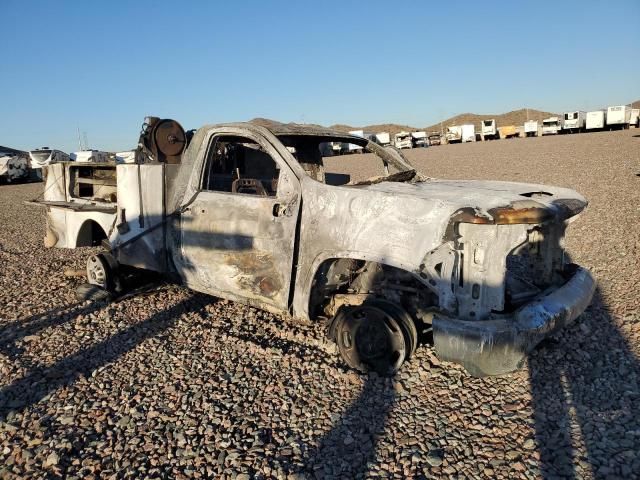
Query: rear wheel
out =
(376, 336)
(102, 271)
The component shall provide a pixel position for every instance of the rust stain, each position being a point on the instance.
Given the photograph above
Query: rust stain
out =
(256, 273)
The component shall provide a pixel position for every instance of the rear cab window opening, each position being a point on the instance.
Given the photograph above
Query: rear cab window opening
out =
(314, 154)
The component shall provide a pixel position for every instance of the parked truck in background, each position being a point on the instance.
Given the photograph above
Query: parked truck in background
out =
(42, 157)
(510, 131)
(551, 126)
(489, 130)
(402, 140)
(419, 139)
(573, 122)
(618, 117)
(531, 128)
(468, 133)
(352, 147)
(595, 120)
(635, 117)
(453, 134)
(435, 139)
(85, 156)
(383, 138)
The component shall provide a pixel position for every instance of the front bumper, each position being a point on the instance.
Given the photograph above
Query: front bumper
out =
(496, 347)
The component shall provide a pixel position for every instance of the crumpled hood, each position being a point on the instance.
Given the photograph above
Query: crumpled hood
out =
(481, 201)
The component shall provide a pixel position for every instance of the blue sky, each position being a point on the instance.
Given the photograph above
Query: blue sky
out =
(103, 66)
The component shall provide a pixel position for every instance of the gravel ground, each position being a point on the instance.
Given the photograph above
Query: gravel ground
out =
(173, 384)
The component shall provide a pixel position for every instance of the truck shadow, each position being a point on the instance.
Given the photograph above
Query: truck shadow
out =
(576, 408)
(349, 449)
(39, 382)
(14, 332)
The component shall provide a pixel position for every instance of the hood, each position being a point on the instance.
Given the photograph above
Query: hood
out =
(488, 202)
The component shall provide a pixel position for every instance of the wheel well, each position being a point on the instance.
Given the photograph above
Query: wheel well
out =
(91, 234)
(348, 281)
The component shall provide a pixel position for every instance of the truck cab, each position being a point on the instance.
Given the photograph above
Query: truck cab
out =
(252, 214)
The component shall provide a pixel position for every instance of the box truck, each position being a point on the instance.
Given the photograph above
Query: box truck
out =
(595, 120)
(468, 133)
(618, 117)
(635, 117)
(550, 126)
(531, 128)
(489, 130)
(573, 122)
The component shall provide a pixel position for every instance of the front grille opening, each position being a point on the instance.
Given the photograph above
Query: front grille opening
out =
(521, 280)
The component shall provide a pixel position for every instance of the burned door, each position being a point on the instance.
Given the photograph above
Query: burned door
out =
(238, 232)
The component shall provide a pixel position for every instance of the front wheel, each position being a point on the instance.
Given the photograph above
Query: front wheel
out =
(375, 336)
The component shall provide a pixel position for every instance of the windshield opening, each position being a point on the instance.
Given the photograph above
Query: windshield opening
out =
(342, 161)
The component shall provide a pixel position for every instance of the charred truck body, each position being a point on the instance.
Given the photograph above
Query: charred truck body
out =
(249, 214)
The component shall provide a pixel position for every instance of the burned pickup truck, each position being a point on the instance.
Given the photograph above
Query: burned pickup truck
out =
(249, 213)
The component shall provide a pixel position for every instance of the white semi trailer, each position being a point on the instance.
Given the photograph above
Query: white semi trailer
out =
(489, 130)
(573, 121)
(595, 120)
(531, 128)
(618, 116)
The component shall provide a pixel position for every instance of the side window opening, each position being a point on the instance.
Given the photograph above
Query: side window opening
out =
(240, 165)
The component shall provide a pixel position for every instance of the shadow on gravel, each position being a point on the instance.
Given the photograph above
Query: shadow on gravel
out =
(39, 383)
(571, 382)
(18, 330)
(349, 448)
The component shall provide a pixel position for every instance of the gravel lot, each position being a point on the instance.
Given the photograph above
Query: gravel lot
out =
(173, 384)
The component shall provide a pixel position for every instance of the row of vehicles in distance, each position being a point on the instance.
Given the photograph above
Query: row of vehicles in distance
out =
(400, 140)
(22, 166)
(613, 118)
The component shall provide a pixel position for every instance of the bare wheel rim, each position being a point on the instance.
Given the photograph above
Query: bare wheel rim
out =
(97, 271)
(371, 339)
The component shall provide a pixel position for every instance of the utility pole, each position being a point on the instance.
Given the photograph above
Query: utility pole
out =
(79, 141)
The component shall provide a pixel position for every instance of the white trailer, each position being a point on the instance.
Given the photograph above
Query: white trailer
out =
(383, 139)
(351, 147)
(42, 157)
(551, 126)
(573, 121)
(595, 120)
(89, 156)
(531, 128)
(402, 140)
(453, 134)
(419, 139)
(468, 133)
(635, 117)
(126, 157)
(489, 129)
(618, 116)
